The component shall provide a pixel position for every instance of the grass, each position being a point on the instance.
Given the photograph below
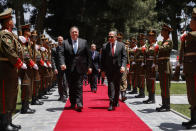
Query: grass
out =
(175, 89)
(182, 108)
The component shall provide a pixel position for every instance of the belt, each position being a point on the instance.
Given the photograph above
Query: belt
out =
(139, 59)
(3, 59)
(190, 54)
(163, 58)
(150, 59)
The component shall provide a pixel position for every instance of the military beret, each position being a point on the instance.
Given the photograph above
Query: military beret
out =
(6, 14)
(194, 13)
(152, 33)
(166, 27)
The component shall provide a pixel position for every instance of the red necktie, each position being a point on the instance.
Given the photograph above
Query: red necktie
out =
(112, 49)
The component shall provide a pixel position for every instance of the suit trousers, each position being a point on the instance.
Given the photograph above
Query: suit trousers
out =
(62, 83)
(75, 87)
(93, 80)
(114, 80)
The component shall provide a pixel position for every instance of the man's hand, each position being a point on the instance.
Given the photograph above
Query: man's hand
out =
(89, 70)
(122, 69)
(63, 67)
(55, 71)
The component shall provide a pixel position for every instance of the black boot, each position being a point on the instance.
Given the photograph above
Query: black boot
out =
(111, 106)
(35, 101)
(6, 124)
(123, 97)
(134, 91)
(10, 121)
(25, 108)
(165, 105)
(192, 122)
(141, 93)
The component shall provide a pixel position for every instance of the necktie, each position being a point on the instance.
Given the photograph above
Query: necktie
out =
(75, 47)
(112, 49)
(93, 56)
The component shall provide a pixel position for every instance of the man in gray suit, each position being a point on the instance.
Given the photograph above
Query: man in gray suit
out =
(74, 56)
(113, 62)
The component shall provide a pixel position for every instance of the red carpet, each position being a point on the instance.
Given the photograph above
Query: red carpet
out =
(96, 117)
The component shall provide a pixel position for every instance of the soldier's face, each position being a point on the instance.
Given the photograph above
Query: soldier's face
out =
(11, 23)
(193, 25)
(164, 33)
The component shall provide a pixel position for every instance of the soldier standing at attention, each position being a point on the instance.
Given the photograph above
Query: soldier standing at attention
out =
(25, 75)
(188, 58)
(140, 65)
(151, 54)
(10, 62)
(164, 68)
(132, 70)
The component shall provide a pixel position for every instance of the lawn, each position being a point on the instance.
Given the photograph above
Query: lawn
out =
(182, 108)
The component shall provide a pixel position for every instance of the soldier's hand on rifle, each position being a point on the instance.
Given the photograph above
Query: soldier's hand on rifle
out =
(63, 67)
(35, 67)
(24, 66)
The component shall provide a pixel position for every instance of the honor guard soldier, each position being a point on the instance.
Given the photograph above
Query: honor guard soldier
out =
(151, 55)
(10, 63)
(132, 70)
(36, 76)
(164, 68)
(140, 65)
(188, 59)
(123, 83)
(26, 75)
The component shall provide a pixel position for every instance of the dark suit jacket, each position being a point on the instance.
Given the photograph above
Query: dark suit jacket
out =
(55, 58)
(111, 63)
(95, 61)
(80, 61)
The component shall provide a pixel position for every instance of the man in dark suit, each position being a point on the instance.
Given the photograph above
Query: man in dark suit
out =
(75, 58)
(113, 62)
(61, 78)
(95, 68)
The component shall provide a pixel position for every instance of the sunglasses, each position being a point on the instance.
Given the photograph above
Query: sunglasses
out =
(110, 36)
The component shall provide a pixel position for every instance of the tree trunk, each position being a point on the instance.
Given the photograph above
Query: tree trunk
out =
(19, 13)
(39, 26)
(174, 32)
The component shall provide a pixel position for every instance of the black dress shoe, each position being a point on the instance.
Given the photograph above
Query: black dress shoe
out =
(132, 92)
(43, 97)
(149, 101)
(140, 96)
(9, 127)
(16, 126)
(188, 124)
(111, 108)
(27, 111)
(37, 102)
(79, 107)
(163, 108)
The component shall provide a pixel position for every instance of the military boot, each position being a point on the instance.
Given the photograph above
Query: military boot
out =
(141, 93)
(6, 125)
(134, 91)
(25, 108)
(10, 121)
(192, 122)
(35, 101)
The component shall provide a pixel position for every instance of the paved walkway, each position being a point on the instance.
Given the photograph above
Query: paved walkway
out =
(47, 115)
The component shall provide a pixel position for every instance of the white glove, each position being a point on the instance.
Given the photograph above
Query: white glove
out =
(24, 66)
(142, 64)
(45, 65)
(22, 39)
(42, 48)
(50, 65)
(153, 65)
(133, 63)
(35, 67)
(37, 47)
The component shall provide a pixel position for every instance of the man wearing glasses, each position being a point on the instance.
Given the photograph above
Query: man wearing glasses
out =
(113, 62)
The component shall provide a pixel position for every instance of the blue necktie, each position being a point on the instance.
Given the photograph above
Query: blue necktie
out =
(75, 47)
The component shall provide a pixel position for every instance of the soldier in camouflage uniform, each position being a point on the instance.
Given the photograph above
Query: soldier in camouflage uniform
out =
(151, 55)
(164, 68)
(26, 75)
(188, 59)
(140, 65)
(10, 62)
(132, 69)
(123, 83)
